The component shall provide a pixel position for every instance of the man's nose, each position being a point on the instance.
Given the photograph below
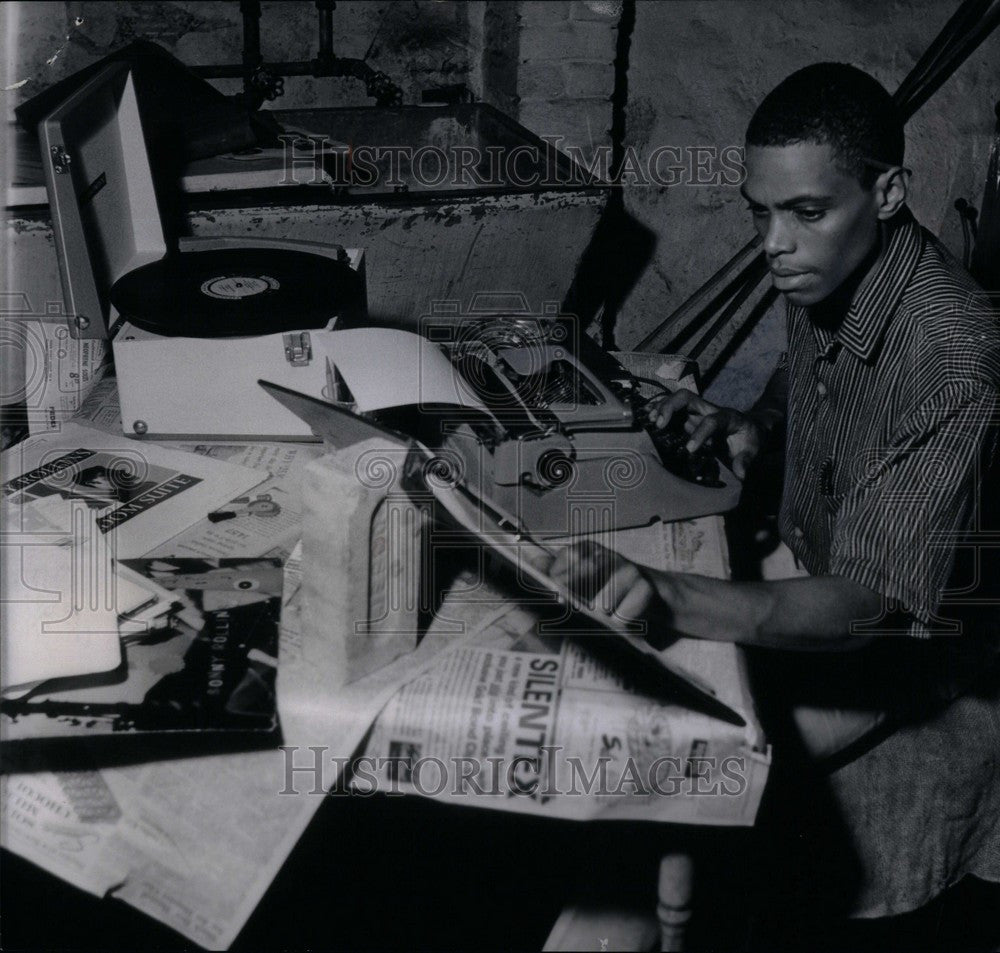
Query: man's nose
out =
(778, 238)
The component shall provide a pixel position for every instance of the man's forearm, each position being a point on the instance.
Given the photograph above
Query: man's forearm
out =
(807, 614)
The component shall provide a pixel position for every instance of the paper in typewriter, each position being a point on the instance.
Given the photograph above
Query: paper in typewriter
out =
(387, 368)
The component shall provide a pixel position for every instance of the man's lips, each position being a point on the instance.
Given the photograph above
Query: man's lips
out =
(785, 279)
(787, 272)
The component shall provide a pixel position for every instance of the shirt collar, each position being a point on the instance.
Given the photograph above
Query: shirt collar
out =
(877, 298)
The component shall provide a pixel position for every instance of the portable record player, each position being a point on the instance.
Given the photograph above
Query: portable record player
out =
(194, 322)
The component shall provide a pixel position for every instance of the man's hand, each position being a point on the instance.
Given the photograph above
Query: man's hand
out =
(705, 421)
(604, 581)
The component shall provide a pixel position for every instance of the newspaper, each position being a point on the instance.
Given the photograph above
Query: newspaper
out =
(192, 842)
(560, 735)
(60, 372)
(516, 722)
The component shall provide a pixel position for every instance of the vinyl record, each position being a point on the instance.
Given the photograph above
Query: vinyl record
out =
(235, 292)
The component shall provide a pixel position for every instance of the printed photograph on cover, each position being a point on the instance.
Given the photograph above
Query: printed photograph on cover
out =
(206, 661)
(100, 479)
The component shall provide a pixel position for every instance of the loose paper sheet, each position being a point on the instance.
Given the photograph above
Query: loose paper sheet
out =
(60, 372)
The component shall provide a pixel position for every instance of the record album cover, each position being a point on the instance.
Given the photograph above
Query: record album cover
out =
(205, 663)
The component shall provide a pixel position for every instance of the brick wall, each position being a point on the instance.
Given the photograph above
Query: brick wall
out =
(566, 69)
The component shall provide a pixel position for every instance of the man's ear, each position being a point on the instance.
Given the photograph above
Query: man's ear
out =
(890, 192)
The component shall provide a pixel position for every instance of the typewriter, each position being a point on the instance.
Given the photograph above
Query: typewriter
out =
(563, 445)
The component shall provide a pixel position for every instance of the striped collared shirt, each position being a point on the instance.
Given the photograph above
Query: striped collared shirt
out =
(892, 418)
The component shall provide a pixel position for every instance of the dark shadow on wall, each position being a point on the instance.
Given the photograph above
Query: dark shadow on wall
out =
(621, 246)
(618, 253)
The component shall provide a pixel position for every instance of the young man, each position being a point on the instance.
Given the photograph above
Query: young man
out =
(888, 408)
(887, 402)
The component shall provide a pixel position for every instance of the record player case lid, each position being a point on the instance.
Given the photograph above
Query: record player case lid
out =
(105, 217)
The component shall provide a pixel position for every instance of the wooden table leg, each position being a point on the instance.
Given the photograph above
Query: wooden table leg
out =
(673, 908)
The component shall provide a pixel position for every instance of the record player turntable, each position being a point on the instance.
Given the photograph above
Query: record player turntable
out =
(194, 322)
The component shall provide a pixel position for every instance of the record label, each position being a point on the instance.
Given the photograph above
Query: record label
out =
(228, 287)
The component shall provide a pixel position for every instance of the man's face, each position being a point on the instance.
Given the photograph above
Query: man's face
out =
(817, 222)
(100, 482)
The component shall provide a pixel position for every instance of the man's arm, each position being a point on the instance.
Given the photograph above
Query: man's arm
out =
(808, 614)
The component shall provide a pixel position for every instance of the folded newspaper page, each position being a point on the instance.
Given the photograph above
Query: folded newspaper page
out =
(563, 735)
(514, 720)
(192, 842)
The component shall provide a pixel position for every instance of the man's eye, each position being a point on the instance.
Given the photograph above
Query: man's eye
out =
(757, 211)
(810, 214)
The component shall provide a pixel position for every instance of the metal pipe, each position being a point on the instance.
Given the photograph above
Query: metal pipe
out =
(325, 9)
(959, 52)
(968, 13)
(755, 274)
(252, 58)
(336, 67)
(677, 321)
(257, 85)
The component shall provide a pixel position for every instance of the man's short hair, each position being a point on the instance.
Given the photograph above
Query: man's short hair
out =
(838, 105)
